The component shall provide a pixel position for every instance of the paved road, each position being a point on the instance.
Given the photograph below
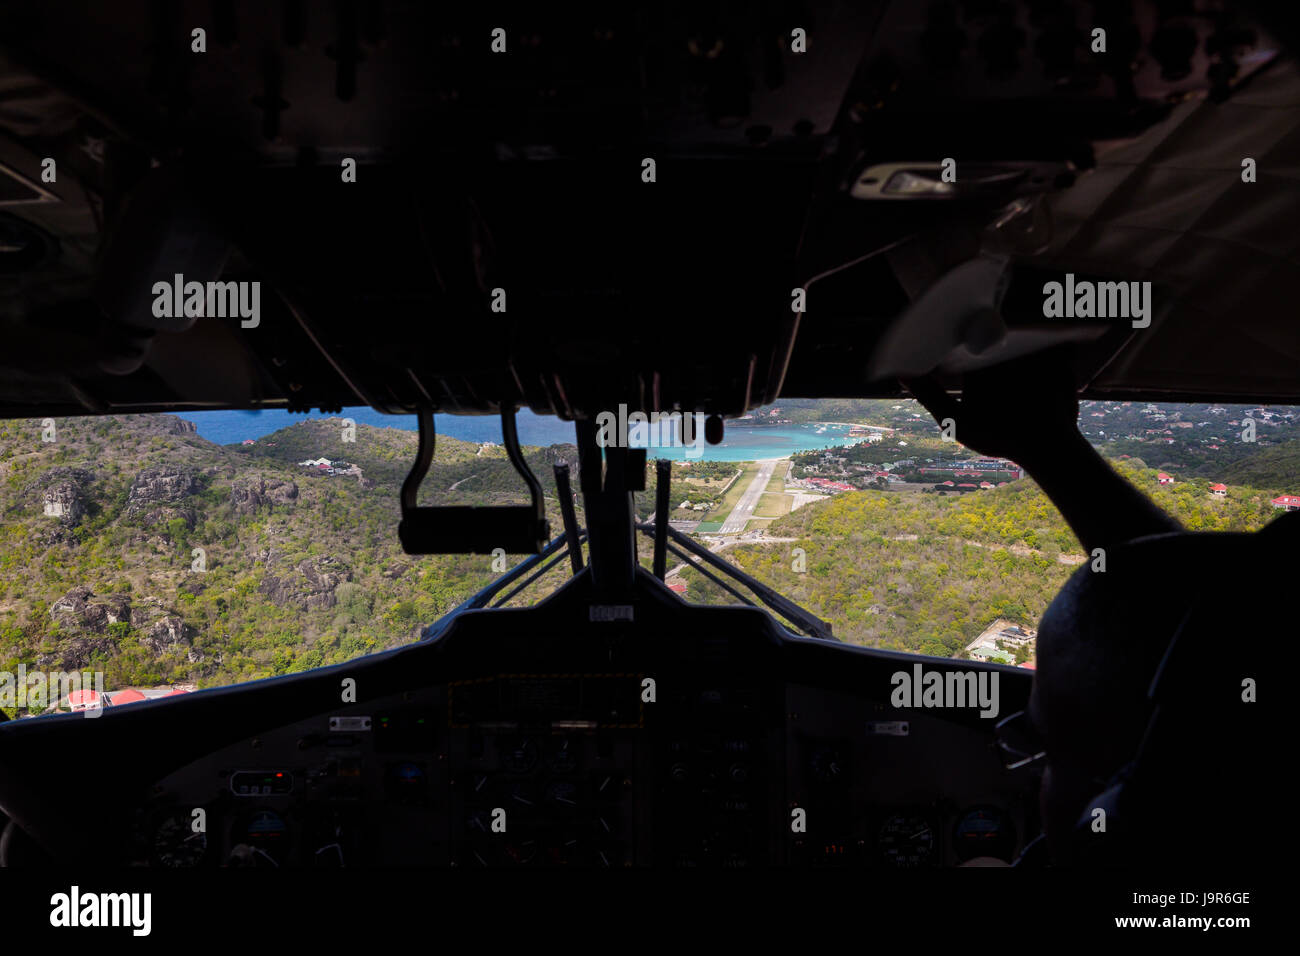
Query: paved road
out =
(744, 509)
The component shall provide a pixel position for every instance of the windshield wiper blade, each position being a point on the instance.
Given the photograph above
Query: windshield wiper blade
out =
(809, 623)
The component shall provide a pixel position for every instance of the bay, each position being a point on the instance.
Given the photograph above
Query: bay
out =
(741, 442)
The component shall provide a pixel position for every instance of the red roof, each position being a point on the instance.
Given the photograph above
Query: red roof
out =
(81, 698)
(1287, 500)
(129, 696)
(1162, 475)
(1218, 487)
(175, 692)
(678, 586)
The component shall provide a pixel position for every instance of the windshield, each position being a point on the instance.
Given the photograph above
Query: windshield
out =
(158, 554)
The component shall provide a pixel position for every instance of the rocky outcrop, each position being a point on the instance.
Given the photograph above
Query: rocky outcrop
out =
(146, 610)
(64, 501)
(164, 514)
(310, 586)
(249, 494)
(160, 486)
(62, 493)
(166, 633)
(179, 426)
(74, 653)
(73, 601)
(80, 608)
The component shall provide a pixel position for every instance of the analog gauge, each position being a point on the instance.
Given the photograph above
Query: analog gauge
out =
(519, 755)
(564, 757)
(406, 783)
(260, 841)
(828, 765)
(176, 844)
(521, 852)
(984, 831)
(523, 797)
(567, 850)
(562, 793)
(907, 840)
(265, 829)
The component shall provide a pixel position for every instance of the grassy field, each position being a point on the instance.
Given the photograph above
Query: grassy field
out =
(733, 493)
(771, 505)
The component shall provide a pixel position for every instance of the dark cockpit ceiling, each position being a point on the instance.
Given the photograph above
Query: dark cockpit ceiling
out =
(524, 171)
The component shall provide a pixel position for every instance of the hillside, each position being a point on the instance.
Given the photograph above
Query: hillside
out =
(1277, 467)
(927, 573)
(300, 568)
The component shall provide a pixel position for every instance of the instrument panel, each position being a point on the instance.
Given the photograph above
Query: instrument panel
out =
(703, 766)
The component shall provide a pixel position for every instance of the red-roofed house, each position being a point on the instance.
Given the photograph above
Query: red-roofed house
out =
(84, 700)
(1289, 502)
(678, 587)
(1164, 479)
(1219, 491)
(129, 696)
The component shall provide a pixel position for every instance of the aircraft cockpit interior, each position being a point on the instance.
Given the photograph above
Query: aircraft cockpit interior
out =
(807, 435)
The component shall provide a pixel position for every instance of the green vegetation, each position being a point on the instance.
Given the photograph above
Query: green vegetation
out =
(132, 546)
(697, 483)
(299, 569)
(772, 505)
(928, 573)
(737, 488)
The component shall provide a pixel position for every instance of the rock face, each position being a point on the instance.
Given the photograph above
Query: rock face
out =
(64, 501)
(166, 633)
(74, 653)
(248, 495)
(142, 612)
(181, 426)
(81, 608)
(160, 486)
(62, 493)
(310, 586)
